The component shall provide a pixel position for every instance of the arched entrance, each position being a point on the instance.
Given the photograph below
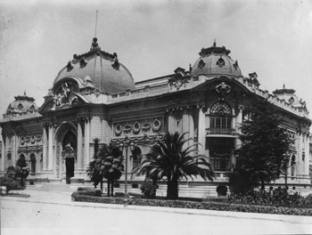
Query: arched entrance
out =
(66, 149)
(69, 151)
(33, 163)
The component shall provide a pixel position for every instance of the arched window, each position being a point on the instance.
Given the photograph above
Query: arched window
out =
(221, 118)
(136, 157)
(33, 163)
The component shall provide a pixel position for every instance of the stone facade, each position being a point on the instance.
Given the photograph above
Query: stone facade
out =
(94, 97)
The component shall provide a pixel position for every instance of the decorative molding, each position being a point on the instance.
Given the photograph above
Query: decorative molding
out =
(220, 62)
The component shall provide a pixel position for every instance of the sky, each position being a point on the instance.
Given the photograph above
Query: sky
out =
(152, 38)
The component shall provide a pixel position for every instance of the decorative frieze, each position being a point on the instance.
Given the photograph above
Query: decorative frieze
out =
(30, 140)
(138, 126)
(138, 140)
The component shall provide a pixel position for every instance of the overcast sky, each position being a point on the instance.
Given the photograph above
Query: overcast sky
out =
(152, 38)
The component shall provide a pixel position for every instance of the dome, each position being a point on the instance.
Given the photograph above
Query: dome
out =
(289, 96)
(22, 104)
(103, 69)
(215, 61)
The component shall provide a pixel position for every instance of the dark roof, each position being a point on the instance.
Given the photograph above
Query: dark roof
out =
(107, 74)
(215, 61)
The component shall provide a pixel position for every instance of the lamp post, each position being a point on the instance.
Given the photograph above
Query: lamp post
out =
(126, 144)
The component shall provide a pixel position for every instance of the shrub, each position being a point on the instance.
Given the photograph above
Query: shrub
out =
(90, 192)
(307, 200)
(10, 183)
(278, 197)
(222, 190)
(240, 182)
(10, 172)
(148, 188)
(84, 189)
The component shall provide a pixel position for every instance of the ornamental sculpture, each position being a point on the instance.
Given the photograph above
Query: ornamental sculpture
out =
(223, 88)
(65, 96)
(179, 78)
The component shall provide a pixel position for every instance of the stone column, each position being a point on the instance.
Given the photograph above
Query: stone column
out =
(13, 150)
(79, 146)
(307, 154)
(238, 123)
(50, 152)
(201, 131)
(185, 124)
(299, 155)
(87, 142)
(171, 122)
(44, 148)
(3, 157)
(191, 127)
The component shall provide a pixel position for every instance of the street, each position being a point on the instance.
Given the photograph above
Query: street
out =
(54, 213)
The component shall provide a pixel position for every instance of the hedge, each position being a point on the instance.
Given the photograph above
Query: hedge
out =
(76, 196)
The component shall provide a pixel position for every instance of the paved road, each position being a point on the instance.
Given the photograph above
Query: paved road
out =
(53, 212)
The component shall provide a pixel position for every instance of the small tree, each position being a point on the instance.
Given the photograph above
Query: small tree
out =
(170, 159)
(265, 151)
(108, 165)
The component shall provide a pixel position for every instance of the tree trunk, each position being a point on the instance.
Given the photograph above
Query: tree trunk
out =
(112, 185)
(108, 188)
(22, 182)
(101, 185)
(172, 189)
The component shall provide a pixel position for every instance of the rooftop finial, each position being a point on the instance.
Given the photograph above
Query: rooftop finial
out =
(214, 43)
(24, 93)
(96, 19)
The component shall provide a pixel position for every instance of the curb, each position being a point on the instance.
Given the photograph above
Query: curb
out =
(230, 214)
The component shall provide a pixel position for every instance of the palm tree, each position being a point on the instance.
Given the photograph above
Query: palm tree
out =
(108, 165)
(170, 159)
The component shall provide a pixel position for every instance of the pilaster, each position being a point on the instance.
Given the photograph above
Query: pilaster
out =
(201, 131)
(50, 148)
(44, 148)
(86, 142)
(79, 146)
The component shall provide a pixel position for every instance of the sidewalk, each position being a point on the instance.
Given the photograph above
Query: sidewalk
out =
(60, 194)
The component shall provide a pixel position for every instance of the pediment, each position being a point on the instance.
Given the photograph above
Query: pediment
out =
(222, 86)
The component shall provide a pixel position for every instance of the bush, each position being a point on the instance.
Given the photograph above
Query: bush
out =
(307, 200)
(90, 192)
(240, 182)
(222, 190)
(149, 189)
(84, 189)
(278, 197)
(76, 196)
(10, 183)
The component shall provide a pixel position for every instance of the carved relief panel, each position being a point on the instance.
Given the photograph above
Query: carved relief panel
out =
(139, 127)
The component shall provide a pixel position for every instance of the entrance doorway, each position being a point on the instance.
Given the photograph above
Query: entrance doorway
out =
(69, 145)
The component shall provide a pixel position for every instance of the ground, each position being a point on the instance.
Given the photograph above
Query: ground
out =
(50, 210)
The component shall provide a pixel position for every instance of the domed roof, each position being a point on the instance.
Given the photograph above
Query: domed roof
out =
(215, 61)
(103, 69)
(22, 104)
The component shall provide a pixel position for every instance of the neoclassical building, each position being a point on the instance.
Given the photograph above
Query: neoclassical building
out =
(95, 97)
